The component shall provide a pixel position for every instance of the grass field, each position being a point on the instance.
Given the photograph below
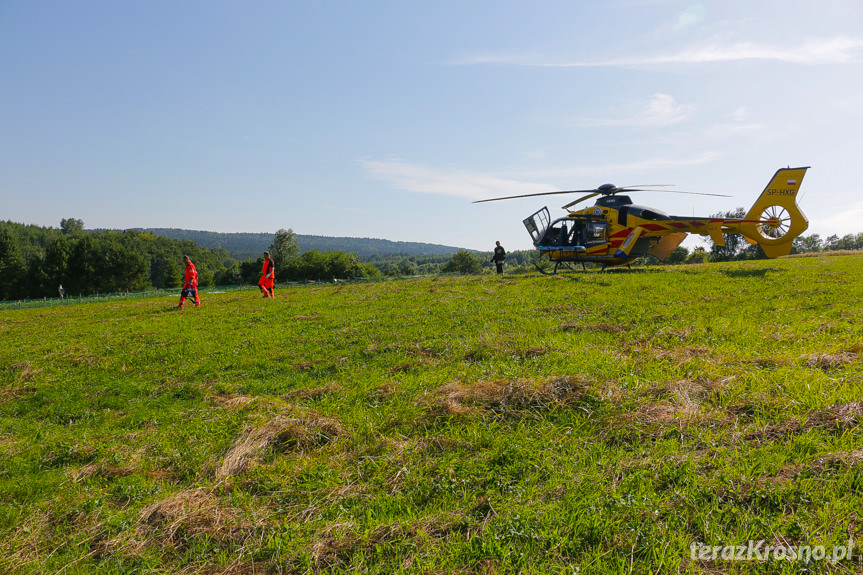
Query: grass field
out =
(588, 423)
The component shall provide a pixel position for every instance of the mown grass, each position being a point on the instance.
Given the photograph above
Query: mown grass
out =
(590, 423)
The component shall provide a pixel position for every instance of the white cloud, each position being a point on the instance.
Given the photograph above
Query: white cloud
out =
(838, 50)
(460, 183)
(606, 171)
(739, 115)
(661, 110)
(690, 17)
(844, 221)
(478, 186)
(737, 124)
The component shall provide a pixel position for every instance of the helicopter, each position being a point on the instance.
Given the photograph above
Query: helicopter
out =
(614, 231)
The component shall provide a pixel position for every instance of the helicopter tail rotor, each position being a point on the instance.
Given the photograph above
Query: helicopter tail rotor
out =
(775, 219)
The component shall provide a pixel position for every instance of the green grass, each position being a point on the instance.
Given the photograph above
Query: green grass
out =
(587, 423)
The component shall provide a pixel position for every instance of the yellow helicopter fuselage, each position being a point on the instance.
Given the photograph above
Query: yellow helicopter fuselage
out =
(615, 231)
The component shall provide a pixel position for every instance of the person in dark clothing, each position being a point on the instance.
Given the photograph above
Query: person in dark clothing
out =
(499, 257)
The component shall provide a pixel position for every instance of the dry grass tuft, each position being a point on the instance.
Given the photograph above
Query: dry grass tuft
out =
(15, 393)
(683, 334)
(580, 327)
(532, 352)
(336, 543)
(680, 407)
(691, 392)
(315, 392)
(765, 362)
(683, 353)
(447, 407)
(664, 414)
(403, 368)
(840, 416)
(308, 364)
(191, 512)
(643, 349)
(24, 371)
(655, 420)
(21, 373)
(507, 395)
(836, 418)
(819, 465)
(829, 362)
(284, 432)
(424, 352)
(383, 391)
(233, 401)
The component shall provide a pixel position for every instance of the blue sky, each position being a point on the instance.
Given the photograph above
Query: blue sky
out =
(386, 119)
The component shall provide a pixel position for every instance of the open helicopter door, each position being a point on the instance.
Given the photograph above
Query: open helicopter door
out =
(536, 224)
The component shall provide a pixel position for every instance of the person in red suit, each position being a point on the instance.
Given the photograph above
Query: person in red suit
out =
(267, 283)
(190, 288)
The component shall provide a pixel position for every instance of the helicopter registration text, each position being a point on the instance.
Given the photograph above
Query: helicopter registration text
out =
(781, 192)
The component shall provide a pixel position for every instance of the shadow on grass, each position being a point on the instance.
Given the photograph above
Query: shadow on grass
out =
(759, 273)
(172, 309)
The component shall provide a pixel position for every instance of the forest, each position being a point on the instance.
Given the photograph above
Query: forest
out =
(36, 261)
(248, 245)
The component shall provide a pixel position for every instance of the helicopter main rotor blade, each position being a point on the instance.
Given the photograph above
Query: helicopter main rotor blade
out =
(606, 191)
(689, 193)
(648, 186)
(581, 199)
(532, 195)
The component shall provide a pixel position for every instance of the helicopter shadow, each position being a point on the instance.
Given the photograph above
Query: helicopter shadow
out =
(635, 270)
(158, 310)
(592, 281)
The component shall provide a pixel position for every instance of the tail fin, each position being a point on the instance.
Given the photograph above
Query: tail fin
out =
(774, 220)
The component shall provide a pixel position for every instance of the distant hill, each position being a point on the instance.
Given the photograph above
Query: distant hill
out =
(250, 245)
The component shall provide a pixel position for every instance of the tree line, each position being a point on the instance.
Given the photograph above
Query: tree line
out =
(37, 261)
(246, 245)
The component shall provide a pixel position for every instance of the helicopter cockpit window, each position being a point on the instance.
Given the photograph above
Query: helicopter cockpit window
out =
(595, 232)
(563, 233)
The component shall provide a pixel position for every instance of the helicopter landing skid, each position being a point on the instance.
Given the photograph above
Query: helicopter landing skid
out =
(553, 270)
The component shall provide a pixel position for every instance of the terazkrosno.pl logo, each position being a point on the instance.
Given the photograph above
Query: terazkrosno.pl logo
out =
(760, 551)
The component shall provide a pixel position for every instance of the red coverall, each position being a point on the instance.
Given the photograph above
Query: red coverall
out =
(268, 278)
(190, 288)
